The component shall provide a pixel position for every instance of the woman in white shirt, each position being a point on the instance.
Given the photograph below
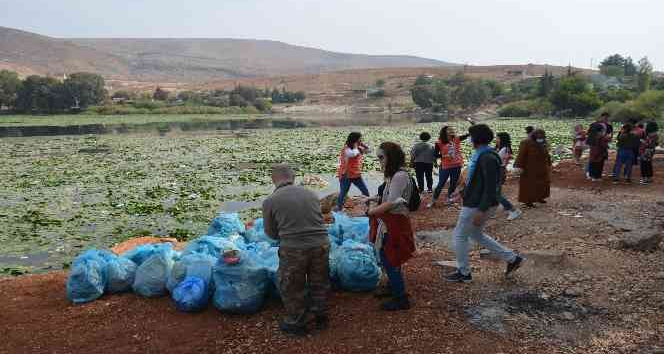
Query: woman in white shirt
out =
(504, 148)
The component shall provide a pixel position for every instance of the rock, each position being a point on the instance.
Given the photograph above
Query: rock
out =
(573, 292)
(328, 203)
(447, 266)
(545, 257)
(659, 276)
(642, 240)
(568, 316)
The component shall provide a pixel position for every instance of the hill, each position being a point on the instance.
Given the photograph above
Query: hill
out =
(180, 60)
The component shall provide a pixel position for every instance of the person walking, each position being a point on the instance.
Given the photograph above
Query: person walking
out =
(448, 149)
(504, 148)
(349, 171)
(627, 143)
(292, 215)
(480, 194)
(534, 167)
(422, 157)
(391, 229)
(647, 152)
(579, 143)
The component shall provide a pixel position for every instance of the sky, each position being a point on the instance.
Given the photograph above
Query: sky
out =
(475, 32)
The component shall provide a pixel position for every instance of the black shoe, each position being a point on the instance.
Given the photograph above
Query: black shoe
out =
(382, 293)
(396, 304)
(516, 264)
(297, 330)
(457, 277)
(322, 322)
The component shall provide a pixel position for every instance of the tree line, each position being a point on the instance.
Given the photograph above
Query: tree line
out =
(81, 91)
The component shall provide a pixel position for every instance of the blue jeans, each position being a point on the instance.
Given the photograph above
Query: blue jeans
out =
(344, 187)
(465, 230)
(443, 174)
(625, 157)
(505, 203)
(394, 275)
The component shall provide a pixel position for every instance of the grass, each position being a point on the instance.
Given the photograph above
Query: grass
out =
(57, 197)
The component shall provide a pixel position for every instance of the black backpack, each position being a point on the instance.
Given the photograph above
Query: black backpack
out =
(414, 201)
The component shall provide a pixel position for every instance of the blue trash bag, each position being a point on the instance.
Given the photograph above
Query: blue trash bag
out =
(141, 253)
(226, 224)
(152, 275)
(267, 257)
(356, 268)
(210, 245)
(120, 274)
(192, 264)
(239, 288)
(349, 228)
(257, 234)
(192, 294)
(88, 276)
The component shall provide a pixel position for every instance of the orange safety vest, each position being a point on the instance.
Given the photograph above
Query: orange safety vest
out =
(447, 161)
(350, 167)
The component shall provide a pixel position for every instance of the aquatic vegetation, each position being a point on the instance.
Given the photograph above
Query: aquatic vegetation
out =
(58, 197)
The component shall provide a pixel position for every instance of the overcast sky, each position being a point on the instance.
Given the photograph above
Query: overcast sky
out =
(480, 32)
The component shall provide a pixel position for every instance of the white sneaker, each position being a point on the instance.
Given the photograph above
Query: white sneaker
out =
(514, 214)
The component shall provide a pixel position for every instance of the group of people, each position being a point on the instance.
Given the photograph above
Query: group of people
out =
(292, 214)
(635, 144)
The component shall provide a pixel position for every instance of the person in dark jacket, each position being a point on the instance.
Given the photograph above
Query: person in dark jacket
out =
(481, 195)
(422, 157)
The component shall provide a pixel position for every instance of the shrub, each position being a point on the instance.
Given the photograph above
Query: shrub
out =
(516, 109)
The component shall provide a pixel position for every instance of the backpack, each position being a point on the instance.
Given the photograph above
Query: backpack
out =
(413, 202)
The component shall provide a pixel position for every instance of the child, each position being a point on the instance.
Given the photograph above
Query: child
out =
(504, 148)
(422, 157)
(627, 142)
(647, 151)
(579, 142)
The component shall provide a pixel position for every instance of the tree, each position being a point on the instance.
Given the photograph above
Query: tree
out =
(10, 84)
(422, 96)
(41, 94)
(380, 83)
(472, 94)
(84, 89)
(573, 96)
(441, 94)
(422, 80)
(546, 84)
(613, 65)
(160, 94)
(630, 68)
(645, 75)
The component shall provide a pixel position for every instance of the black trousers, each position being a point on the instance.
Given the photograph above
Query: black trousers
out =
(646, 169)
(595, 169)
(423, 170)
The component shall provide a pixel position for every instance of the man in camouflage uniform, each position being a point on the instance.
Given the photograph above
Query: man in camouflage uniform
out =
(292, 215)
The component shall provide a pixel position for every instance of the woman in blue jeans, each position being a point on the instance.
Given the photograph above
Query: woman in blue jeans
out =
(627, 143)
(350, 167)
(504, 149)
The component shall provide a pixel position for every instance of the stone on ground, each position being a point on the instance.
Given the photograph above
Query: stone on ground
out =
(642, 240)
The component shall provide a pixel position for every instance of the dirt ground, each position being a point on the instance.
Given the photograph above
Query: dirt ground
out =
(592, 296)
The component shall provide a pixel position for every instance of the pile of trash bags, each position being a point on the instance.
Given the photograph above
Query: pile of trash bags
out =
(234, 265)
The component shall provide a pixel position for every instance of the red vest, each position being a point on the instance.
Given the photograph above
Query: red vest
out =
(448, 161)
(351, 167)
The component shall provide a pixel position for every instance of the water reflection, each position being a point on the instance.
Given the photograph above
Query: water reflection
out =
(198, 124)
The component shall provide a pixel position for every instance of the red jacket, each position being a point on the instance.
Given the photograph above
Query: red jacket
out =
(400, 246)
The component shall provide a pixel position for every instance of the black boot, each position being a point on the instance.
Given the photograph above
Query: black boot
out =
(396, 304)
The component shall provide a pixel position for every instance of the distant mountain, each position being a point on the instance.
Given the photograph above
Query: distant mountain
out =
(181, 60)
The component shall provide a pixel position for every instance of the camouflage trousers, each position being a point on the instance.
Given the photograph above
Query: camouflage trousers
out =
(301, 270)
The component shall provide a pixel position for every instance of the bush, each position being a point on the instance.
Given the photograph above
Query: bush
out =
(377, 94)
(514, 110)
(650, 104)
